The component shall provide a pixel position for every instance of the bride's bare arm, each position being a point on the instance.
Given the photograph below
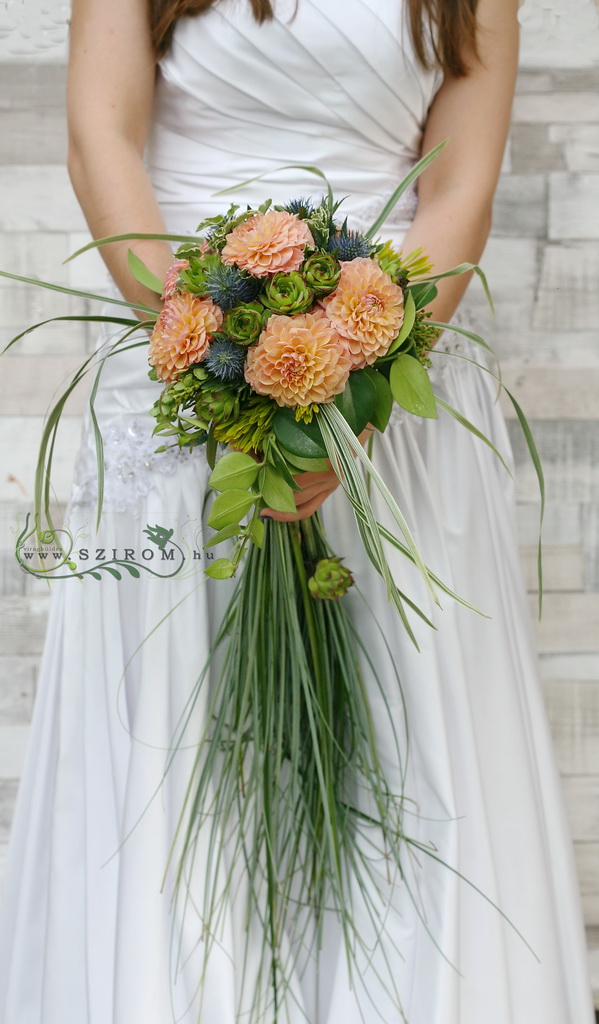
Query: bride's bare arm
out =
(456, 192)
(110, 89)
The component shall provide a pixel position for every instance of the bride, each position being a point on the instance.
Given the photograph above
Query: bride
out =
(170, 101)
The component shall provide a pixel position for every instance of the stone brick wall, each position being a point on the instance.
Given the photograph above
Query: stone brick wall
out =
(543, 266)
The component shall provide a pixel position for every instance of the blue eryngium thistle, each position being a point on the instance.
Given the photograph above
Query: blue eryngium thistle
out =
(228, 286)
(226, 361)
(301, 207)
(349, 245)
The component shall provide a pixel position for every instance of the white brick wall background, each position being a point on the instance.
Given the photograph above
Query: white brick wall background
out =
(543, 266)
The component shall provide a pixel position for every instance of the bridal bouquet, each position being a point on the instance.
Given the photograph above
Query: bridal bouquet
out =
(284, 336)
(282, 330)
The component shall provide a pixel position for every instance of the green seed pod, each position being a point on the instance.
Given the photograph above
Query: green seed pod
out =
(217, 403)
(331, 579)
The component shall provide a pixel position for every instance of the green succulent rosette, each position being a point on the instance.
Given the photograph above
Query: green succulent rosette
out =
(321, 271)
(287, 294)
(244, 324)
(331, 579)
(193, 277)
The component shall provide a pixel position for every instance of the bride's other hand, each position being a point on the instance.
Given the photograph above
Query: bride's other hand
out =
(315, 489)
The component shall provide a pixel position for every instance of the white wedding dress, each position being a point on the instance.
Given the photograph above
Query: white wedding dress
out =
(87, 936)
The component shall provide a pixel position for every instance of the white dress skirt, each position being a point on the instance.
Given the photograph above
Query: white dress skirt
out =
(87, 930)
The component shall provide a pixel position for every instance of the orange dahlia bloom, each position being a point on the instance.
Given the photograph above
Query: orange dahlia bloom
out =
(298, 360)
(182, 333)
(170, 281)
(267, 243)
(366, 308)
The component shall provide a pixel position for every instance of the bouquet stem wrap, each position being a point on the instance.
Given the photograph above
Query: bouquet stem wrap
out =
(290, 738)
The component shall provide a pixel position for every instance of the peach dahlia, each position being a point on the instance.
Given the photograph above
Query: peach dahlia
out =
(171, 279)
(182, 333)
(366, 308)
(298, 360)
(268, 243)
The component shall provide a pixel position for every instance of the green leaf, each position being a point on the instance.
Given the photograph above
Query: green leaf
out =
(225, 534)
(411, 387)
(476, 338)
(193, 421)
(473, 430)
(113, 572)
(339, 436)
(408, 322)
(423, 294)
(80, 319)
(357, 401)
(44, 459)
(384, 399)
(211, 447)
(256, 532)
(306, 465)
(276, 492)
(276, 459)
(230, 507)
(222, 569)
(76, 291)
(287, 167)
(303, 439)
(235, 470)
(403, 186)
(387, 535)
(463, 268)
(536, 460)
(143, 274)
(132, 570)
(99, 442)
(131, 236)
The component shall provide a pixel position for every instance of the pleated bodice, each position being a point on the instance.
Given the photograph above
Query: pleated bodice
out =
(332, 84)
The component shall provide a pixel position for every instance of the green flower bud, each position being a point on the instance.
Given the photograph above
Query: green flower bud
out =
(331, 579)
(287, 294)
(243, 324)
(217, 403)
(322, 272)
(320, 224)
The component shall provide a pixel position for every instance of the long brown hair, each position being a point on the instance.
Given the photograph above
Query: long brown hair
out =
(444, 31)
